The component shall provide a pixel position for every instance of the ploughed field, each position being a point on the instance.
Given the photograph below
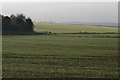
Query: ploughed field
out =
(60, 55)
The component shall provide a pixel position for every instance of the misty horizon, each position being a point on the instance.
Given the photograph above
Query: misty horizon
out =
(61, 12)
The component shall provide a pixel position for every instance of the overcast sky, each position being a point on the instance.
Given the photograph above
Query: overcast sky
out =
(105, 12)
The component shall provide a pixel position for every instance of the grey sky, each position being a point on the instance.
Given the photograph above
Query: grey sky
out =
(65, 11)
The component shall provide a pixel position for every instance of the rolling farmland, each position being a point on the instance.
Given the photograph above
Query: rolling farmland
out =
(69, 28)
(61, 55)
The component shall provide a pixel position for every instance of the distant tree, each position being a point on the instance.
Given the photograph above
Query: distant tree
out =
(20, 24)
(13, 23)
(17, 23)
(6, 23)
(30, 24)
(21, 16)
(13, 17)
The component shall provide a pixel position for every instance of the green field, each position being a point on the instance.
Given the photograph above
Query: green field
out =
(61, 55)
(69, 28)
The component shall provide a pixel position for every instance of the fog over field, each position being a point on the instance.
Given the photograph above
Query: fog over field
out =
(98, 13)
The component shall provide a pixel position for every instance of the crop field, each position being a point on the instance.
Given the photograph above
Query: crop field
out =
(69, 28)
(61, 55)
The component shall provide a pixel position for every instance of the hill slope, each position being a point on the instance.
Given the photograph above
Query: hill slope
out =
(69, 28)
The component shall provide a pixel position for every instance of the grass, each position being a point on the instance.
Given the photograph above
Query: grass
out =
(59, 56)
(69, 28)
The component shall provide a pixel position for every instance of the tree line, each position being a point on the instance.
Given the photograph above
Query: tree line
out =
(17, 24)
